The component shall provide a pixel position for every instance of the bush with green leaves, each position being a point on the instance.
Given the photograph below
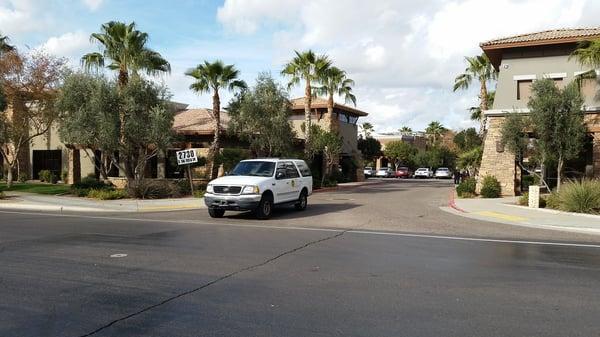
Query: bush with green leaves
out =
(91, 183)
(466, 188)
(107, 194)
(580, 196)
(48, 176)
(524, 200)
(156, 189)
(490, 187)
(23, 177)
(552, 201)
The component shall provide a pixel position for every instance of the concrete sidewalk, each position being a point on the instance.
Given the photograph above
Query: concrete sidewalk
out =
(38, 202)
(506, 210)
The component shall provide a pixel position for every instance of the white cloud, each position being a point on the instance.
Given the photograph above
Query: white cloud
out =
(21, 16)
(67, 45)
(93, 4)
(403, 55)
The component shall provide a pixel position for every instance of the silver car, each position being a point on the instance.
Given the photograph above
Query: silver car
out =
(443, 173)
(384, 172)
(423, 172)
(369, 171)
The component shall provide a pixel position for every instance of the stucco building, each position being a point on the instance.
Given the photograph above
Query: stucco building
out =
(520, 60)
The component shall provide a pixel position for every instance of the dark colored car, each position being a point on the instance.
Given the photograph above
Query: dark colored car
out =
(403, 172)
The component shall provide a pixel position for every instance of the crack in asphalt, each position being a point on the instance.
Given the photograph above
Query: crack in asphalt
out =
(222, 278)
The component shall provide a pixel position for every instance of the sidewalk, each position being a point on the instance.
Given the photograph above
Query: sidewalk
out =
(505, 210)
(38, 202)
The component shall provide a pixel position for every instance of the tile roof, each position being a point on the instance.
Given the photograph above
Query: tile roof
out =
(320, 103)
(569, 35)
(197, 122)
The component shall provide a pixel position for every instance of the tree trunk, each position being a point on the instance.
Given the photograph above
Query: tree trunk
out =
(9, 177)
(483, 106)
(216, 145)
(559, 168)
(307, 119)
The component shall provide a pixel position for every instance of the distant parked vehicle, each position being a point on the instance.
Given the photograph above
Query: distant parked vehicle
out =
(443, 173)
(369, 171)
(403, 172)
(423, 172)
(384, 172)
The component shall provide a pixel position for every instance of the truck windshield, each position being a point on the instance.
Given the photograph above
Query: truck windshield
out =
(254, 168)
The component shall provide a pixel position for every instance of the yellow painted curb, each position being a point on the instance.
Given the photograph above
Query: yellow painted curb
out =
(502, 216)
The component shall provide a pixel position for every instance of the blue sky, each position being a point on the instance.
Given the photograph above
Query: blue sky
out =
(402, 54)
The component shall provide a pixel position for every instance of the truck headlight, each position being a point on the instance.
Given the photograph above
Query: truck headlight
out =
(250, 190)
(209, 188)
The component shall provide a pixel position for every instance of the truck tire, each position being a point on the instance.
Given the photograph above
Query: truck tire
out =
(216, 212)
(302, 201)
(265, 207)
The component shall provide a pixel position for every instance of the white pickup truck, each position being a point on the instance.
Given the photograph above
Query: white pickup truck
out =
(258, 185)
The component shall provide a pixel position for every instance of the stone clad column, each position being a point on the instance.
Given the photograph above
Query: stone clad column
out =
(497, 161)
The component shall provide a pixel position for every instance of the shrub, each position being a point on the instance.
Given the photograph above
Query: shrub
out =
(64, 176)
(48, 176)
(580, 196)
(490, 187)
(91, 183)
(466, 188)
(23, 177)
(107, 194)
(156, 189)
(199, 193)
(524, 200)
(80, 192)
(552, 201)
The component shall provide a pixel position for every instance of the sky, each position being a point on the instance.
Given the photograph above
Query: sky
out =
(402, 54)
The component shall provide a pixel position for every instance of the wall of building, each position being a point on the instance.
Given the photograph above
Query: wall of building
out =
(513, 68)
(348, 132)
(498, 161)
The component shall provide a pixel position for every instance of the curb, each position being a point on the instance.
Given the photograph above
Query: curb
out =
(554, 211)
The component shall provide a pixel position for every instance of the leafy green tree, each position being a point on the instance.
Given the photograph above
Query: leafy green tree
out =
(308, 67)
(123, 49)
(211, 78)
(558, 121)
(479, 68)
(470, 160)
(467, 139)
(260, 117)
(369, 147)
(90, 107)
(329, 143)
(334, 81)
(435, 157)
(434, 131)
(29, 85)
(400, 152)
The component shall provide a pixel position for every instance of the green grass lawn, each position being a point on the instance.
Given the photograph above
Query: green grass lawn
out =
(50, 189)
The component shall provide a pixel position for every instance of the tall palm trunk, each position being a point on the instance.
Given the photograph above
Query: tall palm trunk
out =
(483, 105)
(307, 120)
(216, 145)
(123, 79)
(331, 163)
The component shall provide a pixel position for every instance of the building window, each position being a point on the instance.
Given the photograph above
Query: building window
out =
(524, 89)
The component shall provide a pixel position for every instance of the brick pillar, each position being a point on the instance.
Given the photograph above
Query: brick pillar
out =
(74, 170)
(596, 154)
(497, 161)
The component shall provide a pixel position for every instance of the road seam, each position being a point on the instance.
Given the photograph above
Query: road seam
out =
(206, 285)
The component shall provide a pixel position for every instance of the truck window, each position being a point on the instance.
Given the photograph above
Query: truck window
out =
(304, 169)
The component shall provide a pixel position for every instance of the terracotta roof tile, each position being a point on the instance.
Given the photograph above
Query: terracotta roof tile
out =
(197, 122)
(318, 103)
(547, 35)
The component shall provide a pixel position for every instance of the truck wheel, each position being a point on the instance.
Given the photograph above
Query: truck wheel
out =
(216, 212)
(265, 208)
(302, 201)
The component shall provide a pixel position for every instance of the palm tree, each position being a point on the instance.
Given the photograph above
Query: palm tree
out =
(434, 132)
(307, 67)
(4, 46)
(335, 82)
(125, 48)
(480, 68)
(476, 112)
(405, 129)
(367, 129)
(588, 53)
(211, 77)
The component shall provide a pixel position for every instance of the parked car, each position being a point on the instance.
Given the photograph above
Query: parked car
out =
(258, 185)
(403, 172)
(384, 172)
(443, 173)
(369, 171)
(423, 172)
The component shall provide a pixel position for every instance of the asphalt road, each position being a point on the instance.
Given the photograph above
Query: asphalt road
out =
(186, 275)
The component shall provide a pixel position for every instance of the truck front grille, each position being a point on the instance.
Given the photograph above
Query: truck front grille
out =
(227, 189)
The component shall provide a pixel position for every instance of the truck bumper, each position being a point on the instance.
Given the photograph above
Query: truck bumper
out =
(232, 202)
